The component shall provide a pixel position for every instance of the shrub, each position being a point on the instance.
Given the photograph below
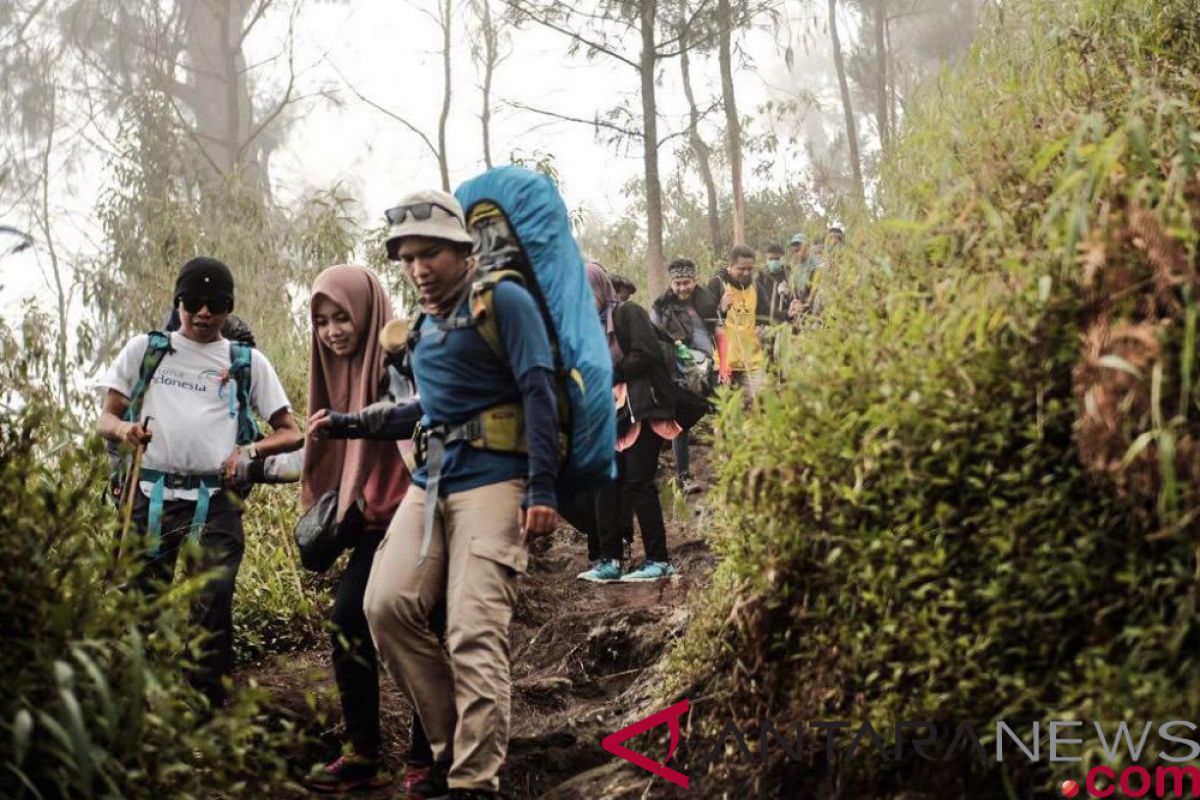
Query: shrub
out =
(952, 510)
(94, 702)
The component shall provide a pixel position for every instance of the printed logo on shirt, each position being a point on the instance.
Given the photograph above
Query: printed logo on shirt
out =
(178, 379)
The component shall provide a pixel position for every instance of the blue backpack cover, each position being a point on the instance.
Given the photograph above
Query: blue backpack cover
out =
(519, 222)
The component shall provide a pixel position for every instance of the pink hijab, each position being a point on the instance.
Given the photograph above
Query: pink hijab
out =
(356, 468)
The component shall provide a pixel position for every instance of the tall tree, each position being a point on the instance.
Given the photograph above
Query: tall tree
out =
(880, 24)
(487, 50)
(733, 125)
(442, 16)
(847, 106)
(599, 30)
(444, 20)
(194, 52)
(699, 147)
(648, 9)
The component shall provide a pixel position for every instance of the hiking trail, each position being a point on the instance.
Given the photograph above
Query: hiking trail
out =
(582, 663)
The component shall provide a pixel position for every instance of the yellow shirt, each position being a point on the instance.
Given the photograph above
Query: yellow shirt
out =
(745, 350)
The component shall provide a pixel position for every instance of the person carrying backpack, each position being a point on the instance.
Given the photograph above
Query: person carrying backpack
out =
(460, 535)
(688, 314)
(645, 400)
(349, 308)
(199, 389)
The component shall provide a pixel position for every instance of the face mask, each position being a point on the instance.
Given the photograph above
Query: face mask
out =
(774, 265)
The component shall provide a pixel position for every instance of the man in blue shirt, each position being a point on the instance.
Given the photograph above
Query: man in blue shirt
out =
(460, 535)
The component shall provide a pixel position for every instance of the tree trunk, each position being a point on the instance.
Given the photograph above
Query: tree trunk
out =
(698, 146)
(657, 272)
(490, 53)
(216, 91)
(881, 75)
(733, 126)
(443, 161)
(851, 133)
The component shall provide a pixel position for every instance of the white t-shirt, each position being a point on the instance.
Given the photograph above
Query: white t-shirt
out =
(193, 430)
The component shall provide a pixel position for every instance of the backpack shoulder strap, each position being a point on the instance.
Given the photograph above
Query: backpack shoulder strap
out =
(483, 307)
(158, 345)
(240, 356)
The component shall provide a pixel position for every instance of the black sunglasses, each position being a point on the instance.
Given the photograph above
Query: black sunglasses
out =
(192, 303)
(419, 211)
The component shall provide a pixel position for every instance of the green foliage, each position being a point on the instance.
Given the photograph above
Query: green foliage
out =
(94, 702)
(911, 518)
(159, 211)
(279, 606)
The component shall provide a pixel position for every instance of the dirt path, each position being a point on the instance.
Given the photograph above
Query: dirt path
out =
(579, 650)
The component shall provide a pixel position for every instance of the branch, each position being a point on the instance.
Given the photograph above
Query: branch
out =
(287, 94)
(388, 112)
(595, 122)
(599, 48)
(263, 5)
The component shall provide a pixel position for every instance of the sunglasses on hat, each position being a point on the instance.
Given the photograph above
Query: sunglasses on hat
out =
(192, 303)
(418, 211)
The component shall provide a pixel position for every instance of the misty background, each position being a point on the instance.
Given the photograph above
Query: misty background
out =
(273, 133)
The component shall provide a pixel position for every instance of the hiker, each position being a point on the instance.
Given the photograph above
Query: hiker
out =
(349, 308)
(802, 274)
(776, 285)
(198, 388)
(625, 288)
(460, 535)
(834, 240)
(688, 314)
(645, 402)
(743, 307)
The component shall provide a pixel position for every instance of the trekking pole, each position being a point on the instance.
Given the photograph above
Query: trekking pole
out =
(135, 470)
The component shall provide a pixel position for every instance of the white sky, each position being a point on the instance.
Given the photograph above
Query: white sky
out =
(388, 50)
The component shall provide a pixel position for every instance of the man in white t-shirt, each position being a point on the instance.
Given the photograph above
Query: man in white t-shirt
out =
(192, 459)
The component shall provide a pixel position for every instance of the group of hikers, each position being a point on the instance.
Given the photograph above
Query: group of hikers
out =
(441, 443)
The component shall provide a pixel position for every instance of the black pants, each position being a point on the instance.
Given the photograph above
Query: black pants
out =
(637, 468)
(597, 514)
(355, 665)
(222, 544)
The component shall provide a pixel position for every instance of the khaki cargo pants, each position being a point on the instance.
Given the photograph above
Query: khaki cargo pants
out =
(461, 692)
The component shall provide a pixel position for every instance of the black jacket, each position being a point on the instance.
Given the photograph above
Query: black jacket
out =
(674, 318)
(716, 289)
(641, 367)
(777, 303)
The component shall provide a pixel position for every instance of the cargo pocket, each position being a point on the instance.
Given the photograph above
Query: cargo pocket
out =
(513, 556)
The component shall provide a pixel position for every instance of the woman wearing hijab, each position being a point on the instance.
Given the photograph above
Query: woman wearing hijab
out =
(349, 307)
(645, 401)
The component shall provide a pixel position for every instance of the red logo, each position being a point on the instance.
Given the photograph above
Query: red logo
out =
(612, 743)
(1070, 788)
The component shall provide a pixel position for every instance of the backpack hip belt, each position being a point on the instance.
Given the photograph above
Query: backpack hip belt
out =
(171, 480)
(500, 429)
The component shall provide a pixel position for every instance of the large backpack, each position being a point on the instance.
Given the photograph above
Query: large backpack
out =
(522, 231)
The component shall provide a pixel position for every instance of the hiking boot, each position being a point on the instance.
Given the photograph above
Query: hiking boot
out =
(649, 571)
(602, 571)
(429, 783)
(347, 773)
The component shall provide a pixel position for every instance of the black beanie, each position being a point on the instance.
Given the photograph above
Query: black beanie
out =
(205, 276)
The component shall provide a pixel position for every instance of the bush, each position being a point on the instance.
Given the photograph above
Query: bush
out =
(94, 702)
(951, 510)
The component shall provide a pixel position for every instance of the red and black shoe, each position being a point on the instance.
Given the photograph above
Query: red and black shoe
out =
(347, 773)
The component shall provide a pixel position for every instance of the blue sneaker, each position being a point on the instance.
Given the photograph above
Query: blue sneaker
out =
(602, 571)
(649, 571)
